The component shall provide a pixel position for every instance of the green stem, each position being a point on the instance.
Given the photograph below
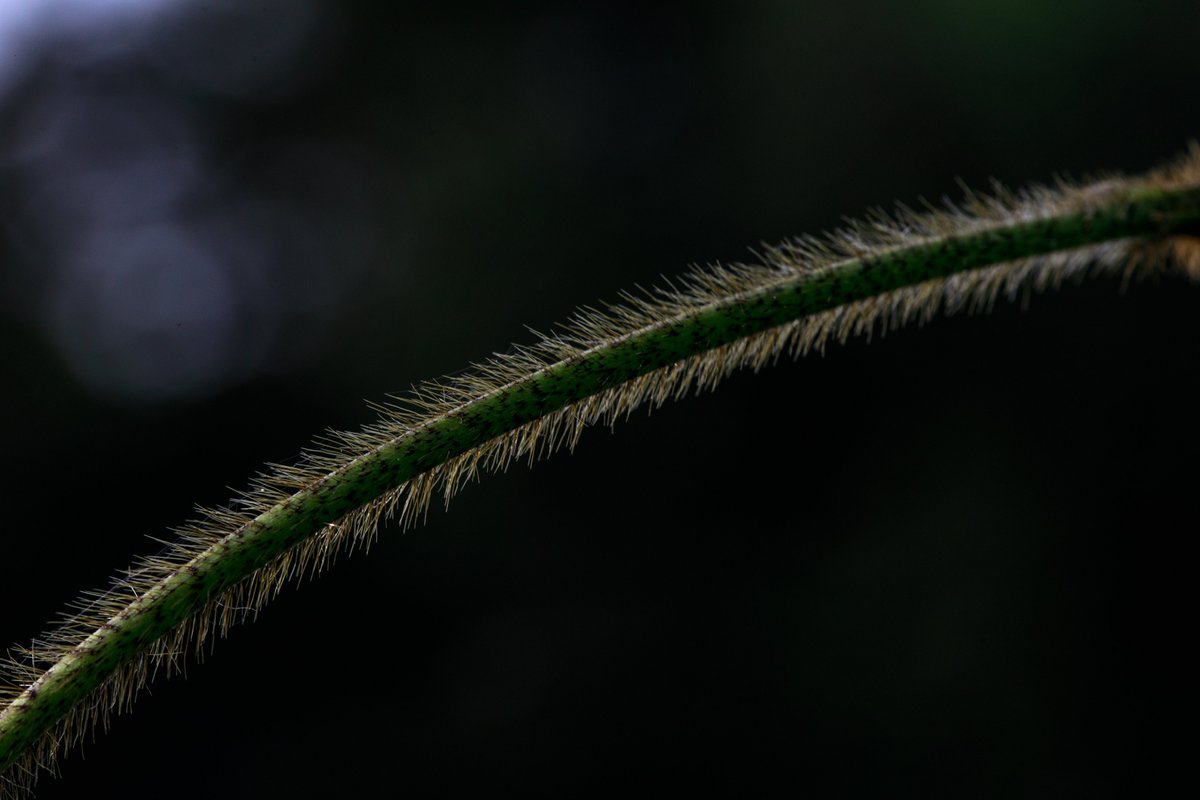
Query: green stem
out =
(1140, 212)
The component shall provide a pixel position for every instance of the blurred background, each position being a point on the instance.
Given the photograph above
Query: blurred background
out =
(948, 563)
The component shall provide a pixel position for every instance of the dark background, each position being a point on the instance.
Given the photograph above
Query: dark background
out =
(954, 561)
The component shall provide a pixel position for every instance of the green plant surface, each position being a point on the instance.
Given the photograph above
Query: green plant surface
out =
(873, 275)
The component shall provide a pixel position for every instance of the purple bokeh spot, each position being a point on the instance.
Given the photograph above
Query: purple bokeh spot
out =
(146, 313)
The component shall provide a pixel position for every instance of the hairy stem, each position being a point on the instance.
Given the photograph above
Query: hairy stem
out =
(1141, 211)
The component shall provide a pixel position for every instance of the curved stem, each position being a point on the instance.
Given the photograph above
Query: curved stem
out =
(1143, 211)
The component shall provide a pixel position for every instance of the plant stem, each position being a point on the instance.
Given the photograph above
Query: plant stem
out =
(1143, 211)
